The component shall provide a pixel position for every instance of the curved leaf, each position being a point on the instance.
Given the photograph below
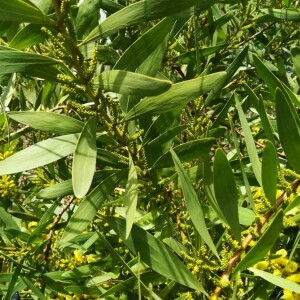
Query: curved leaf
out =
(47, 121)
(288, 129)
(193, 204)
(269, 171)
(23, 11)
(177, 96)
(84, 160)
(130, 83)
(39, 154)
(142, 11)
(226, 192)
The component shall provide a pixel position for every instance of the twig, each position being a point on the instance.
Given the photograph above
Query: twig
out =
(256, 34)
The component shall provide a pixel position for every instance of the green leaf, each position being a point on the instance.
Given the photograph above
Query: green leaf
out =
(226, 192)
(295, 52)
(263, 245)
(176, 97)
(282, 14)
(23, 11)
(131, 196)
(8, 220)
(84, 160)
(288, 129)
(186, 152)
(230, 72)
(155, 254)
(272, 81)
(269, 171)
(193, 204)
(142, 11)
(251, 149)
(27, 37)
(135, 55)
(15, 61)
(130, 83)
(277, 280)
(87, 210)
(39, 154)
(47, 121)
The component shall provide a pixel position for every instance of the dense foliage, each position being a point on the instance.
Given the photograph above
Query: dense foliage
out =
(154, 154)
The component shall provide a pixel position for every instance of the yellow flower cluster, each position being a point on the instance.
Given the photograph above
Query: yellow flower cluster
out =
(7, 185)
(282, 266)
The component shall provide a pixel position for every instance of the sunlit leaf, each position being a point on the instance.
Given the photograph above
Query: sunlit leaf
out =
(39, 154)
(84, 160)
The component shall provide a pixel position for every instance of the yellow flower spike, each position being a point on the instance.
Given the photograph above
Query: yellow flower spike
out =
(288, 295)
(281, 261)
(277, 272)
(294, 277)
(262, 265)
(79, 258)
(281, 252)
(291, 267)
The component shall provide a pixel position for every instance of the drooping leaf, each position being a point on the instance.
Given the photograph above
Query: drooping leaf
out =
(142, 11)
(226, 192)
(251, 149)
(39, 154)
(177, 96)
(47, 121)
(288, 129)
(269, 171)
(88, 208)
(23, 11)
(84, 160)
(277, 280)
(193, 204)
(263, 245)
(131, 196)
(153, 253)
(130, 83)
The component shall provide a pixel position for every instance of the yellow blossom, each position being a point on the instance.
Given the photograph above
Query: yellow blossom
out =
(291, 267)
(281, 252)
(294, 277)
(79, 258)
(262, 265)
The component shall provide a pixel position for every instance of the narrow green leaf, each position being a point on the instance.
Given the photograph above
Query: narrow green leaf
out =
(131, 196)
(282, 14)
(153, 253)
(226, 192)
(288, 129)
(84, 160)
(39, 154)
(47, 121)
(186, 152)
(176, 97)
(23, 11)
(33, 288)
(88, 208)
(8, 220)
(251, 149)
(295, 52)
(263, 245)
(15, 61)
(272, 81)
(277, 280)
(136, 54)
(130, 83)
(142, 11)
(269, 171)
(60, 189)
(230, 72)
(27, 37)
(193, 204)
